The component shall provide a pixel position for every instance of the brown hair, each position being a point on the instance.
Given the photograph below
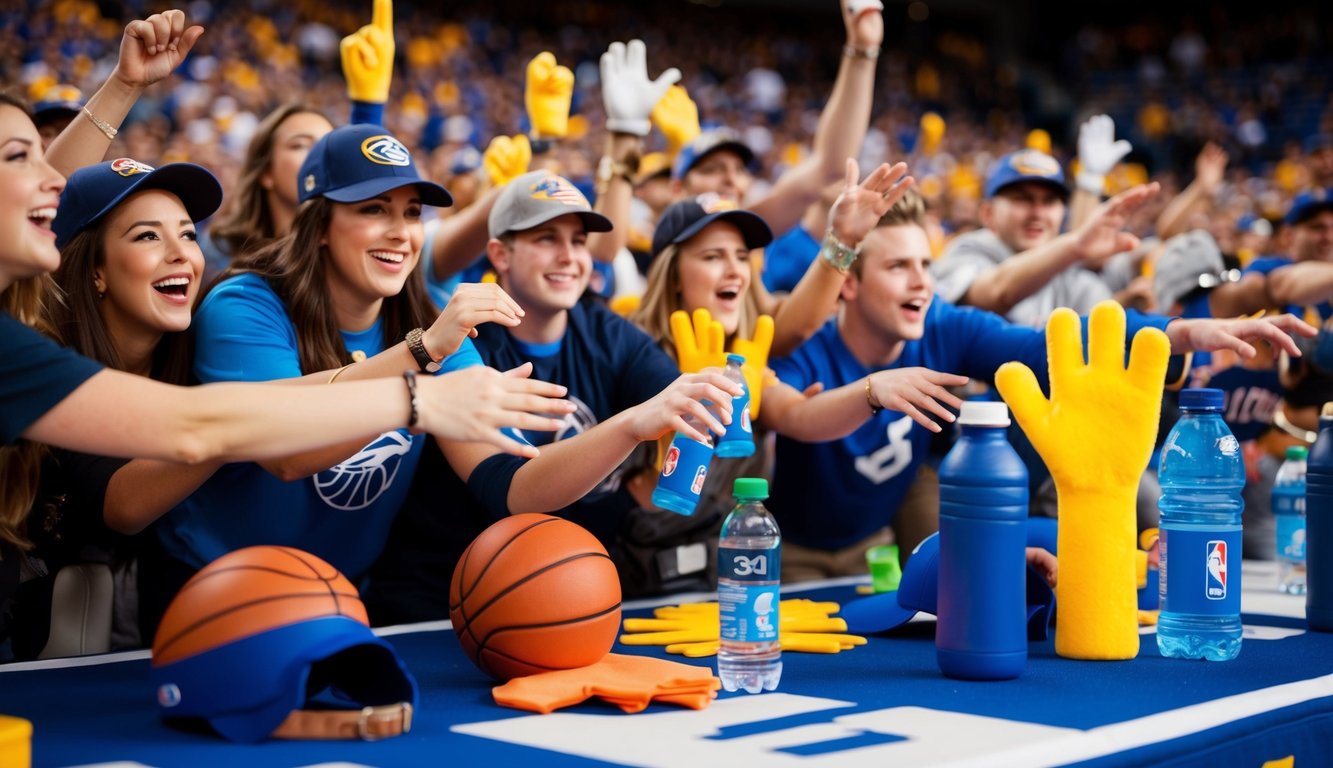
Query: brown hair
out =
(662, 297)
(910, 210)
(295, 267)
(249, 224)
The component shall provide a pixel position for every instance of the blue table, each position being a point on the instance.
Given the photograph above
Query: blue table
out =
(884, 704)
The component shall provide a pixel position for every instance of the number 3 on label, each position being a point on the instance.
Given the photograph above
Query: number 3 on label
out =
(744, 566)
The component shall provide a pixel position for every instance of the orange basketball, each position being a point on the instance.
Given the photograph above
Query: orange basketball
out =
(249, 591)
(534, 593)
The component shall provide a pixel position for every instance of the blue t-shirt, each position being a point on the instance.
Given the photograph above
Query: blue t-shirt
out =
(35, 375)
(341, 514)
(833, 494)
(787, 259)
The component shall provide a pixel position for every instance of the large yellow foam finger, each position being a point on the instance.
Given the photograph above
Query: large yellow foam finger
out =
(1148, 359)
(1064, 346)
(1106, 336)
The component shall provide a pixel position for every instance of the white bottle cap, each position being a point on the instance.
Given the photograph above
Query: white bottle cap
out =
(983, 413)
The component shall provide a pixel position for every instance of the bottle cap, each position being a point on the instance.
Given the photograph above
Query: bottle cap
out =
(1297, 452)
(983, 413)
(1202, 398)
(750, 488)
(737, 359)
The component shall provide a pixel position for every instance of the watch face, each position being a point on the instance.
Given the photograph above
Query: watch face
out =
(432, 367)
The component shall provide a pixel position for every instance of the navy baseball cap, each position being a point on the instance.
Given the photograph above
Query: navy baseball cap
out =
(1307, 205)
(707, 143)
(1026, 165)
(687, 218)
(94, 191)
(1317, 143)
(59, 101)
(358, 162)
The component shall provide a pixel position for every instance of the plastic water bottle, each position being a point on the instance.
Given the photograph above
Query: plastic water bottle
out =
(1289, 514)
(1201, 476)
(684, 470)
(738, 440)
(749, 565)
(1319, 527)
(982, 629)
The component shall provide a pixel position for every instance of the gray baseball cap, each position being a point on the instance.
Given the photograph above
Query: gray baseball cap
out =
(535, 198)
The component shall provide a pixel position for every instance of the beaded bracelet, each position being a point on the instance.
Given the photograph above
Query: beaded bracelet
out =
(108, 130)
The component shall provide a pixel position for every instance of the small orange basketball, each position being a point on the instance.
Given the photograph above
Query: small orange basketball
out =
(249, 591)
(534, 593)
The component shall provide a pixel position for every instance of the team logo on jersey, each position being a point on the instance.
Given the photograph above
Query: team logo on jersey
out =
(360, 481)
(386, 150)
(1216, 580)
(552, 187)
(127, 167)
(1033, 163)
(889, 461)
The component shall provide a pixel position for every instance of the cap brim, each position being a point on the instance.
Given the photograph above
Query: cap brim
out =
(1059, 188)
(196, 188)
(754, 230)
(431, 193)
(592, 220)
(875, 613)
(1308, 211)
(733, 145)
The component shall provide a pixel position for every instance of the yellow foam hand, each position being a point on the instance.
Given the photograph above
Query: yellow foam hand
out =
(755, 351)
(367, 57)
(1096, 435)
(677, 117)
(700, 344)
(506, 159)
(692, 630)
(547, 95)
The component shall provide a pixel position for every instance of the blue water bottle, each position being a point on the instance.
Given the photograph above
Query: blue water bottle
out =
(1202, 477)
(749, 568)
(1289, 516)
(982, 629)
(684, 469)
(1319, 527)
(738, 440)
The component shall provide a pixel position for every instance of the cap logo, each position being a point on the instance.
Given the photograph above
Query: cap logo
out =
(561, 191)
(712, 202)
(309, 182)
(127, 167)
(386, 150)
(1033, 163)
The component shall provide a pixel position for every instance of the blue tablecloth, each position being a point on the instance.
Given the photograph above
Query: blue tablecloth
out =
(883, 704)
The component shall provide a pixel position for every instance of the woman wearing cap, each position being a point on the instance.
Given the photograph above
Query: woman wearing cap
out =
(53, 395)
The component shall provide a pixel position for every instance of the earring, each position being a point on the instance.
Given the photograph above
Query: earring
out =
(100, 289)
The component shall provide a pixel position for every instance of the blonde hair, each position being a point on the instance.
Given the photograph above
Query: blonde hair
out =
(663, 297)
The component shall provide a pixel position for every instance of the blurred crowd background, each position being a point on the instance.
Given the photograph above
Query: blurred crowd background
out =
(1255, 80)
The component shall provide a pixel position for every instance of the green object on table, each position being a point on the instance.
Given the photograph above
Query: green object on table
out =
(885, 572)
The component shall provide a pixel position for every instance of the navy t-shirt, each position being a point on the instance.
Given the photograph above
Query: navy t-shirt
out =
(35, 375)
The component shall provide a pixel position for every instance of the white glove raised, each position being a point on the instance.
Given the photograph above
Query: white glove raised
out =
(1098, 152)
(627, 94)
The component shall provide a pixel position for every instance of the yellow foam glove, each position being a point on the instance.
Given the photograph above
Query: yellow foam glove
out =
(367, 57)
(547, 94)
(755, 351)
(700, 344)
(692, 630)
(1096, 435)
(677, 117)
(506, 159)
(932, 133)
(625, 304)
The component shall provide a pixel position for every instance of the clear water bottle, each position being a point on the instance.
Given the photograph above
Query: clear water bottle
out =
(1201, 476)
(684, 469)
(1289, 515)
(749, 559)
(1319, 527)
(738, 440)
(982, 607)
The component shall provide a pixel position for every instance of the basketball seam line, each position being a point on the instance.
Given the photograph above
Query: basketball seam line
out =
(232, 609)
(462, 568)
(562, 622)
(523, 581)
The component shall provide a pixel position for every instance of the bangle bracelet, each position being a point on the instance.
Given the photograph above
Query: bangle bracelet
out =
(410, 376)
(869, 53)
(108, 130)
(339, 372)
(875, 407)
(838, 256)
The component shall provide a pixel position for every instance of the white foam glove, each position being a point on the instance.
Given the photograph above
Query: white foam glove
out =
(1098, 152)
(627, 93)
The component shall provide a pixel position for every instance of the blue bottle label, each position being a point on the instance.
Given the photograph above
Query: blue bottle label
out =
(1200, 571)
(749, 564)
(1291, 536)
(747, 595)
(685, 466)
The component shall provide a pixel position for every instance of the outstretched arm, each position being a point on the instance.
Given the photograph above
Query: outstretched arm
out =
(836, 413)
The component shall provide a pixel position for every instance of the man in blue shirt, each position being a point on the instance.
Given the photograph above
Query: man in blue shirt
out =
(846, 457)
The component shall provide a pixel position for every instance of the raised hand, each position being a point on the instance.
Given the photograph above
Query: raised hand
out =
(547, 94)
(1098, 152)
(477, 403)
(913, 390)
(506, 159)
(1103, 235)
(700, 343)
(864, 20)
(665, 412)
(1096, 435)
(1210, 166)
(152, 48)
(627, 93)
(471, 305)
(1238, 334)
(860, 206)
(677, 117)
(367, 57)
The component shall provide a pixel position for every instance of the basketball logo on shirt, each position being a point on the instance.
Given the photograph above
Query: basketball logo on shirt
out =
(888, 462)
(360, 481)
(576, 423)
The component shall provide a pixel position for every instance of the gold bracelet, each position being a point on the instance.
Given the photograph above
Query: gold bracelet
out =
(875, 407)
(339, 372)
(869, 53)
(108, 130)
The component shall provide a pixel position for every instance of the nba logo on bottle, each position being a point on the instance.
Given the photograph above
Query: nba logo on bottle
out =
(669, 463)
(1215, 581)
